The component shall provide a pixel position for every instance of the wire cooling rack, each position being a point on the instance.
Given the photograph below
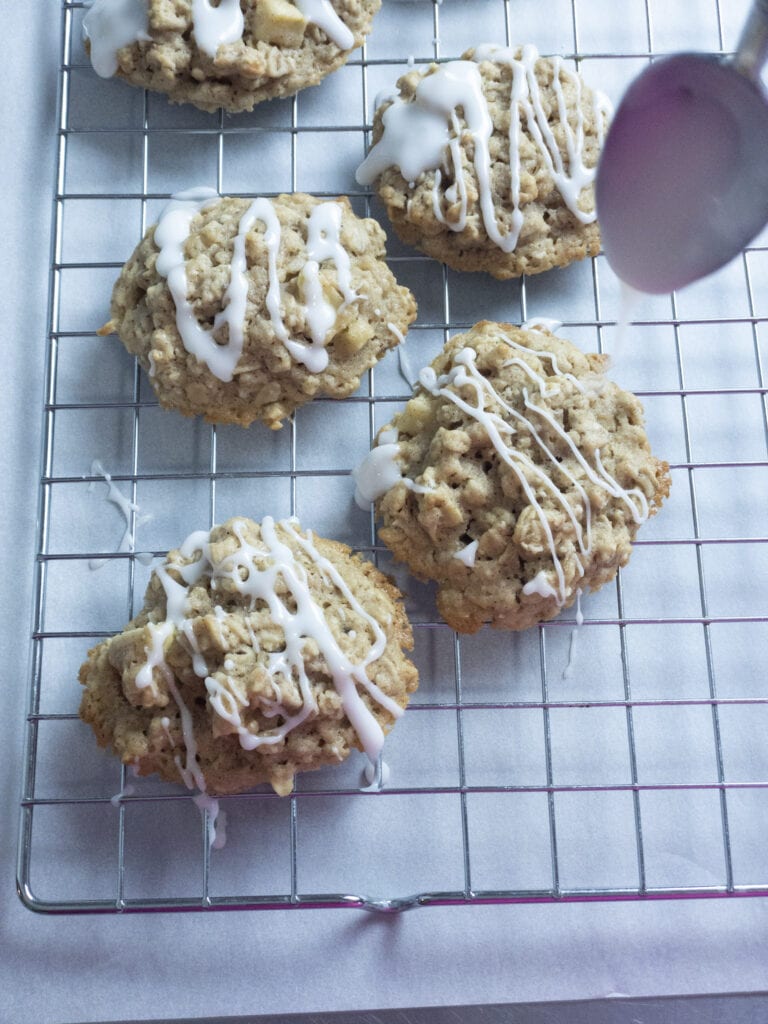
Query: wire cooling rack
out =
(623, 759)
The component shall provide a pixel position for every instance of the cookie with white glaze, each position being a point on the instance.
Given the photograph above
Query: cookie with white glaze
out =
(244, 309)
(516, 477)
(232, 55)
(261, 651)
(487, 163)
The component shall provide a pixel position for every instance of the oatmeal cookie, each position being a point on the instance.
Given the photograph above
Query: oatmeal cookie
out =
(487, 163)
(516, 477)
(245, 309)
(261, 651)
(232, 55)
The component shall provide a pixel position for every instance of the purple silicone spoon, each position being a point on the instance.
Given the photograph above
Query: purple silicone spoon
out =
(682, 184)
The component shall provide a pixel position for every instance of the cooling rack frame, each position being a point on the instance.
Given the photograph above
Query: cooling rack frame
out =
(447, 654)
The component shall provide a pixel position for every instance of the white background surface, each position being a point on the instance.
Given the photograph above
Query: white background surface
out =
(84, 969)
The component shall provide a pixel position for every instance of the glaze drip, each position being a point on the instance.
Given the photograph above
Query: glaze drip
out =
(216, 26)
(130, 512)
(380, 470)
(322, 14)
(111, 24)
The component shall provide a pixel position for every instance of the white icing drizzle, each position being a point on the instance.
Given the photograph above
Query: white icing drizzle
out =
(464, 372)
(217, 26)
(545, 389)
(500, 431)
(543, 353)
(537, 323)
(380, 470)
(344, 679)
(158, 634)
(219, 616)
(425, 135)
(407, 372)
(568, 670)
(199, 665)
(377, 774)
(540, 585)
(468, 554)
(226, 701)
(322, 14)
(388, 435)
(165, 723)
(117, 498)
(385, 96)
(604, 479)
(323, 244)
(190, 771)
(112, 24)
(255, 572)
(377, 473)
(216, 819)
(119, 797)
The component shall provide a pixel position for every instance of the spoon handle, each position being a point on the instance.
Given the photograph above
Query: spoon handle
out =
(752, 50)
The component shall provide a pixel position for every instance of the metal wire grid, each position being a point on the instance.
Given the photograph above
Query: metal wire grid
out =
(530, 809)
